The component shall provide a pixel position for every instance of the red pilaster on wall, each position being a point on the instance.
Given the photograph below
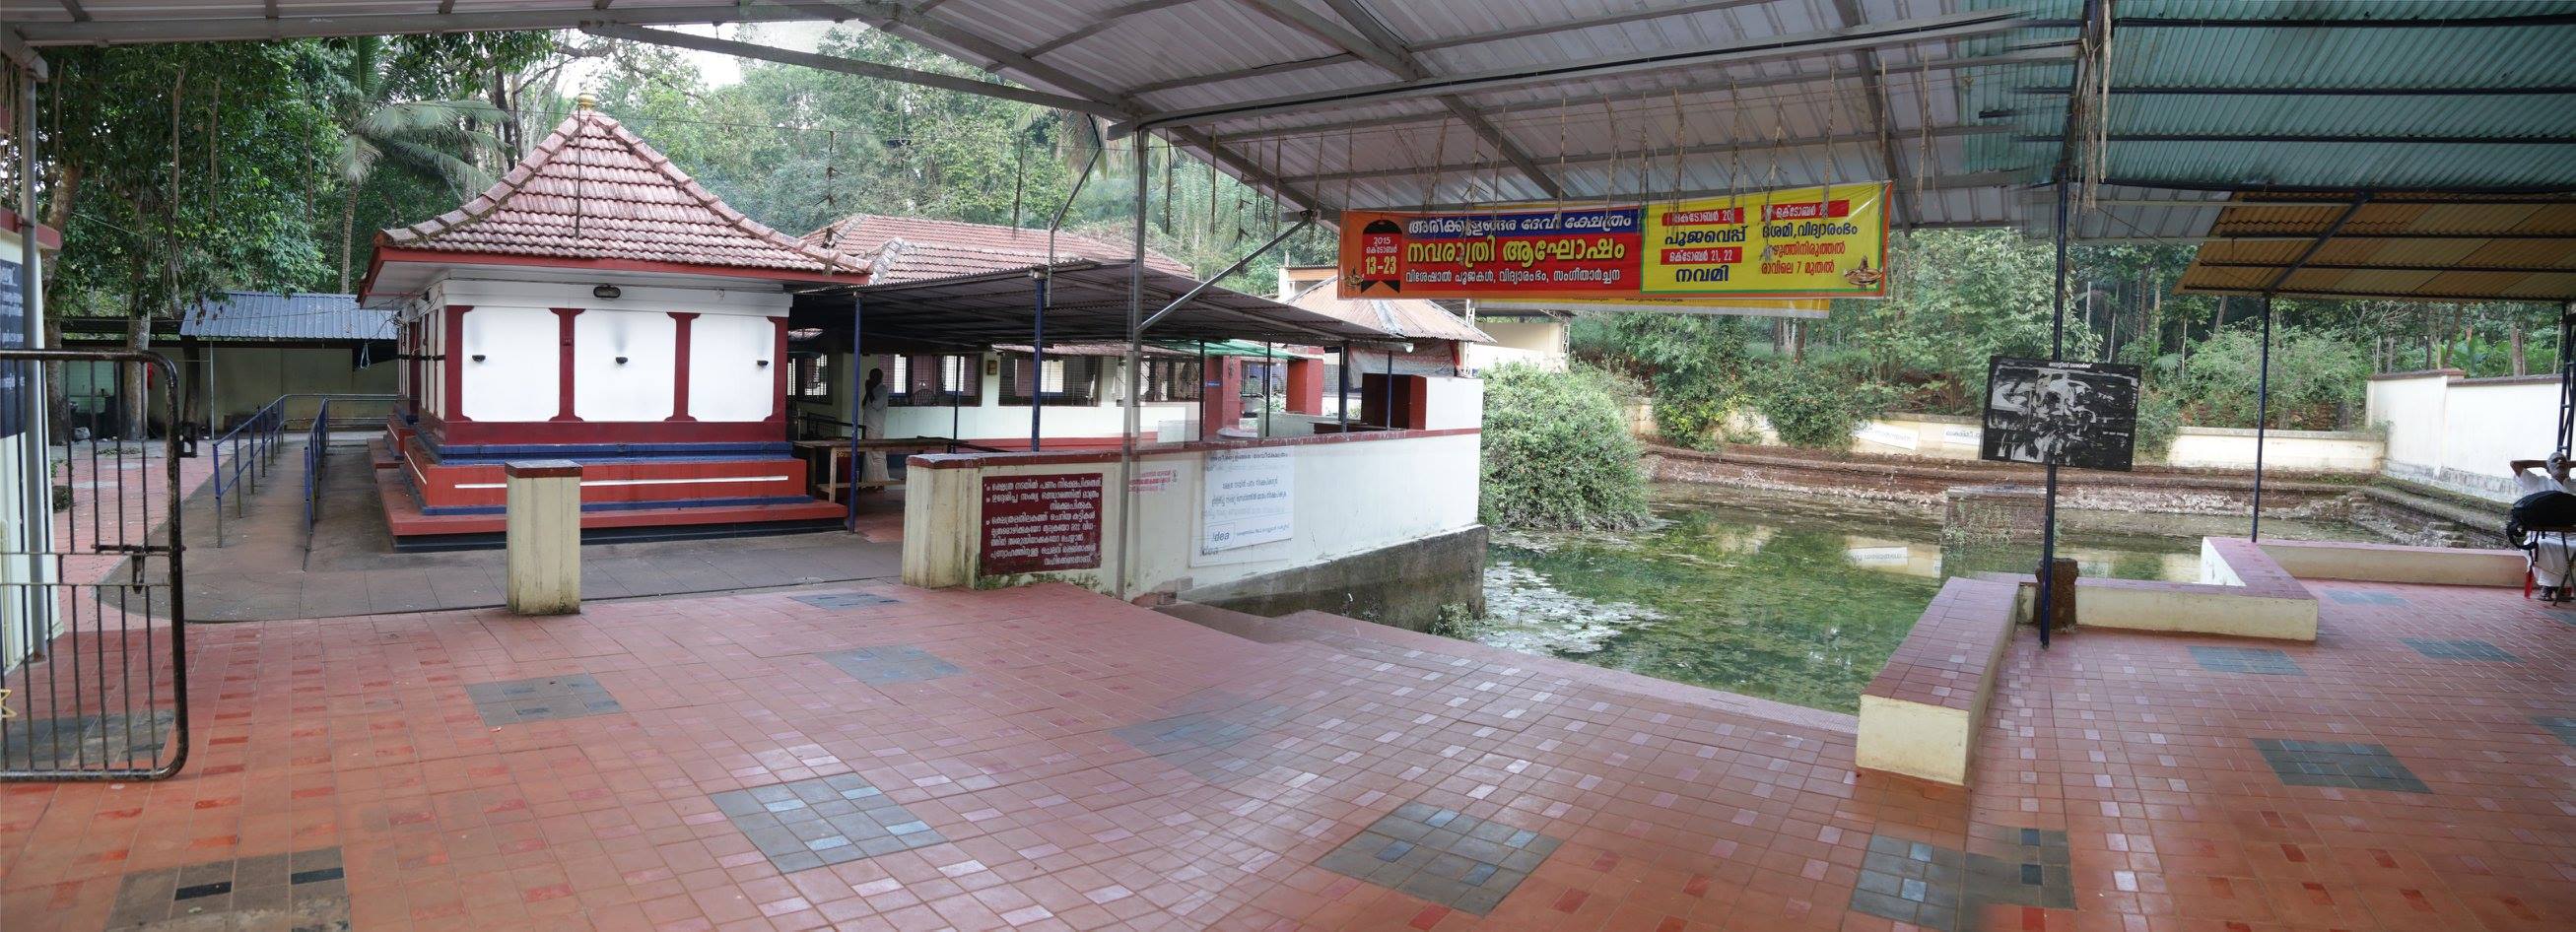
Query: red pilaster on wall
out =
(563, 368)
(680, 351)
(454, 350)
(1224, 404)
(1305, 386)
(778, 374)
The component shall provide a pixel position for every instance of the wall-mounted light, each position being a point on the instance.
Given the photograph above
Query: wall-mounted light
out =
(606, 292)
(621, 360)
(478, 357)
(764, 364)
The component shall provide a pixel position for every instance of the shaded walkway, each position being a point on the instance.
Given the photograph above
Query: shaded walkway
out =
(263, 570)
(1046, 758)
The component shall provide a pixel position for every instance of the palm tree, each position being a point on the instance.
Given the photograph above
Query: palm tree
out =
(442, 141)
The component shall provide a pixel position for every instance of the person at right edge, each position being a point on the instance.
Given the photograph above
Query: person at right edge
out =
(2544, 515)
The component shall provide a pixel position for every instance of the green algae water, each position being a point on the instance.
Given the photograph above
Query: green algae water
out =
(1799, 600)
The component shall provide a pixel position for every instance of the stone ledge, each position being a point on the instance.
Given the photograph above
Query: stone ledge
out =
(1919, 716)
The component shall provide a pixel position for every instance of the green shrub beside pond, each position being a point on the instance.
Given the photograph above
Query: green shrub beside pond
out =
(1557, 453)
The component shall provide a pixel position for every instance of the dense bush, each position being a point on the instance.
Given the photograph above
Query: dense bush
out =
(1695, 365)
(2159, 421)
(2317, 378)
(1557, 453)
(1816, 405)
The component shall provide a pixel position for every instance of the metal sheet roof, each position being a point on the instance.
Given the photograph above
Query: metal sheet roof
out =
(269, 315)
(1087, 303)
(2411, 247)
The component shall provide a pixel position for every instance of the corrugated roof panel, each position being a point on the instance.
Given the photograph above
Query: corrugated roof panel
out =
(269, 315)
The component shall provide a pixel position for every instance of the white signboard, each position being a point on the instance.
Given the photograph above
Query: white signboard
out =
(1250, 497)
(1886, 434)
(1968, 437)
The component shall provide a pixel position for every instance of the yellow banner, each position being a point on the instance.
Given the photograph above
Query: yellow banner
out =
(1797, 243)
(1810, 243)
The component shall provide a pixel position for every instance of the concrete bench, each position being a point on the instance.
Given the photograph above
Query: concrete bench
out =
(2242, 592)
(2397, 563)
(1919, 717)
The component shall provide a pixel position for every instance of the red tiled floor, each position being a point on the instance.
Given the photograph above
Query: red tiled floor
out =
(1677, 810)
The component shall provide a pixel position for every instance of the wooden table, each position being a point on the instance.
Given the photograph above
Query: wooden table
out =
(824, 471)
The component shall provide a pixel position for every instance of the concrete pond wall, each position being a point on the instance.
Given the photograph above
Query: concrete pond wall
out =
(2456, 433)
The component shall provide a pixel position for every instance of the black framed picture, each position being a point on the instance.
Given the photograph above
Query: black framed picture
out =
(2081, 414)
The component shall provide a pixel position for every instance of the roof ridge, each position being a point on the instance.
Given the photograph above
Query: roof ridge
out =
(561, 140)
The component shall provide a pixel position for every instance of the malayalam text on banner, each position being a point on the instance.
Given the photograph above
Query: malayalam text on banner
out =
(1813, 242)
(1037, 524)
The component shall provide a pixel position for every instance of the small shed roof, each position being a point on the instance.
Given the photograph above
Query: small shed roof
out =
(269, 315)
(909, 249)
(1407, 318)
(592, 192)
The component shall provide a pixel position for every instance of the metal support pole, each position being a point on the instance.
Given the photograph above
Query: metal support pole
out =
(36, 486)
(858, 405)
(2262, 413)
(1269, 365)
(2566, 376)
(1201, 432)
(2048, 509)
(965, 372)
(1135, 415)
(1037, 363)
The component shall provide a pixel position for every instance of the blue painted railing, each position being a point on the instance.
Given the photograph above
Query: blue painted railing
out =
(243, 456)
(317, 457)
(246, 454)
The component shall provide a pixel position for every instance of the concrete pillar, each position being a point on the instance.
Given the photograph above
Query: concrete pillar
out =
(544, 536)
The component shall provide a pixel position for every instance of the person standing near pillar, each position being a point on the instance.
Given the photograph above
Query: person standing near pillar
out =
(872, 420)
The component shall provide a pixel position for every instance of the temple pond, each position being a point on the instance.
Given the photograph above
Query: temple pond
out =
(1792, 599)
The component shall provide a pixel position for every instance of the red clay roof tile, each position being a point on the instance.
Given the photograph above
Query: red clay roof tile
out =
(593, 190)
(924, 249)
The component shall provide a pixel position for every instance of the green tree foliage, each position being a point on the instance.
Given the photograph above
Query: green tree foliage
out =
(1958, 298)
(1557, 453)
(447, 145)
(797, 148)
(2317, 379)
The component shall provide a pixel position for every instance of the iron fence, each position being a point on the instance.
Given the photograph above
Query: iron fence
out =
(93, 621)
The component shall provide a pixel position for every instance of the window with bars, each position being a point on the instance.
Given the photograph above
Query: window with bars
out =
(1068, 380)
(928, 380)
(813, 381)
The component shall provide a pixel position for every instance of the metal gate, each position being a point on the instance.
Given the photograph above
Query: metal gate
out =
(92, 623)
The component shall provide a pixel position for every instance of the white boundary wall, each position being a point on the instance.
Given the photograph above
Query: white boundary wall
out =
(1352, 494)
(2458, 433)
(1937, 436)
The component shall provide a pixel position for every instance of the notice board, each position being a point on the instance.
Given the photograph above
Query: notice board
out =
(1043, 523)
(2080, 414)
(1251, 499)
(17, 379)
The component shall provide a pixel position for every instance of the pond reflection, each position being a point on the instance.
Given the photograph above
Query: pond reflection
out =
(1801, 605)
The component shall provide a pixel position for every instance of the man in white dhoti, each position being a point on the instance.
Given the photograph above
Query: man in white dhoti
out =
(2550, 552)
(872, 415)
